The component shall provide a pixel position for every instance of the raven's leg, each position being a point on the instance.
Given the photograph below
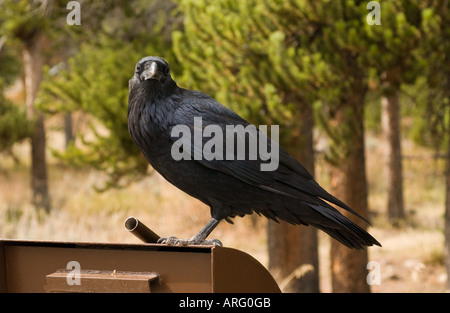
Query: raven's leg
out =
(198, 239)
(202, 234)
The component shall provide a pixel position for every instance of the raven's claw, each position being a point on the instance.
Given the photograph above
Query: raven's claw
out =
(174, 241)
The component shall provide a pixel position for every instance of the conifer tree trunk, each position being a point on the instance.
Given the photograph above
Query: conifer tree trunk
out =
(447, 198)
(390, 121)
(349, 184)
(293, 246)
(69, 136)
(33, 62)
(447, 210)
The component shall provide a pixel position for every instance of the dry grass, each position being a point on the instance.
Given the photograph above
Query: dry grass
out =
(411, 258)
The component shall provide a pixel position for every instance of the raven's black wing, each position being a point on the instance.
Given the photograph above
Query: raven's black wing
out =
(289, 179)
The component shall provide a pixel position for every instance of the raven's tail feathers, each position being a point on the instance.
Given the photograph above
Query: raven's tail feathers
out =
(342, 229)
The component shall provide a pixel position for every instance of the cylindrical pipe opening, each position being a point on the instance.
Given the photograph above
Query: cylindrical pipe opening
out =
(131, 223)
(137, 228)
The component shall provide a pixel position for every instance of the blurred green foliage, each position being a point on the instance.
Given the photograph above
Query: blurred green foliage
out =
(95, 81)
(263, 59)
(14, 125)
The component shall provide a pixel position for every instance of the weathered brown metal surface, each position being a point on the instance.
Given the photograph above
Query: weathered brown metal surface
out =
(26, 265)
(94, 281)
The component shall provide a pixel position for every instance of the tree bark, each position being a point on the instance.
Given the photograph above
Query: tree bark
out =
(390, 121)
(291, 247)
(68, 130)
(33, 62)
(349, 184)
(447, 210)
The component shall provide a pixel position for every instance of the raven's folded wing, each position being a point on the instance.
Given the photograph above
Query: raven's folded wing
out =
(289, 179)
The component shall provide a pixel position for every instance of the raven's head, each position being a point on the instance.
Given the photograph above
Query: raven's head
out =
(151, 69)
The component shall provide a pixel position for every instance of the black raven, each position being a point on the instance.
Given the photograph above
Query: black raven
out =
(230, 187)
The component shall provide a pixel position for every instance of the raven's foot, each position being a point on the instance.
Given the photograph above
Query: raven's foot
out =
(174, 241)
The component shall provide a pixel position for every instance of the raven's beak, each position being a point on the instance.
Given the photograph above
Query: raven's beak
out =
(151, 72)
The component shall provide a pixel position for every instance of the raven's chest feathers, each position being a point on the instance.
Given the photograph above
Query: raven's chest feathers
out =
(148, 120)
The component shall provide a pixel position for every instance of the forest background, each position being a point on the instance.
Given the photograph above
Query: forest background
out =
(360, 90)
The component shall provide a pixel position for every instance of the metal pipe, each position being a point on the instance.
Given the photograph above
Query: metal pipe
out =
(137, 228)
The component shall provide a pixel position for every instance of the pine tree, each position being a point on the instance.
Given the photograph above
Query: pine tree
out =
(95, 82)
(342, 43)
(25, 21)
(250, 56)
(14, 125)
(392, 55)
(433, 126)
(38, 27)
